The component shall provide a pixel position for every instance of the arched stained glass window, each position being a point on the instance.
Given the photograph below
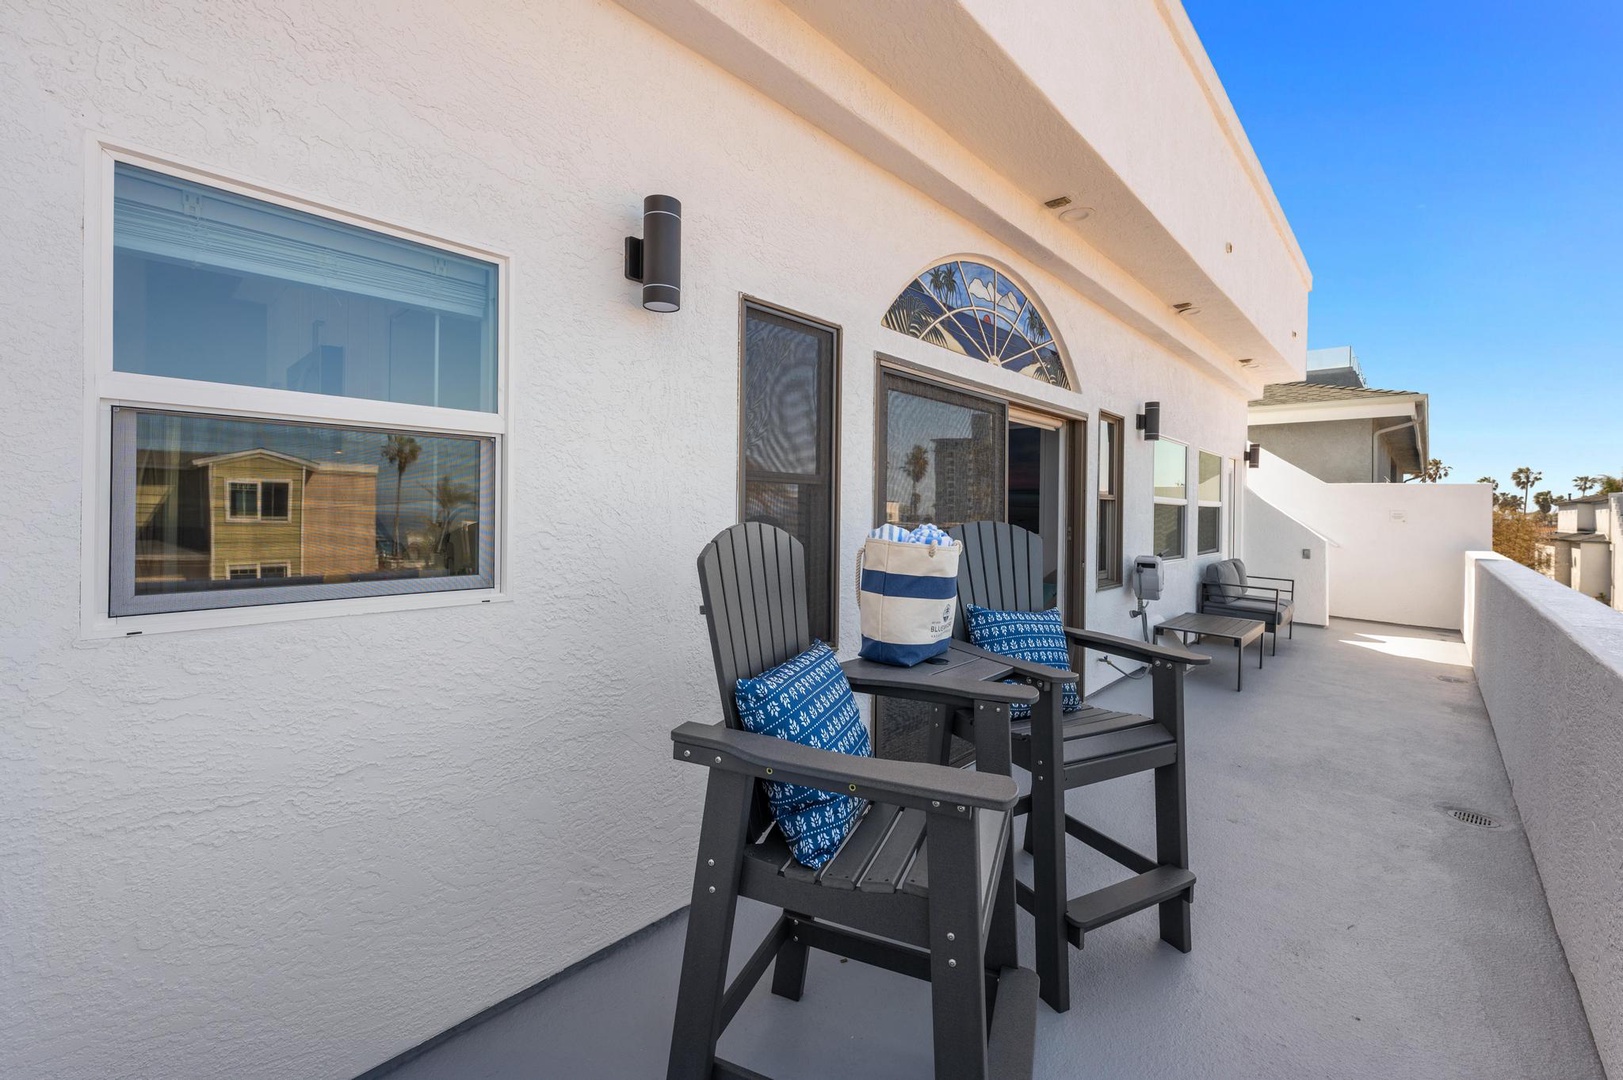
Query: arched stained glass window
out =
(973, 309)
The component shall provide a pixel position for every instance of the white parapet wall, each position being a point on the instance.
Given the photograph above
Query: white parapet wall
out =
(1278, 545)
(1394, 548)
(1549, 662)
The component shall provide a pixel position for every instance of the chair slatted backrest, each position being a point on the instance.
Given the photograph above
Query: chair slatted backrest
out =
(752, 578)
(1001, 567)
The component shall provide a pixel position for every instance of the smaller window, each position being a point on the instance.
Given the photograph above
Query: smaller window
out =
(1109, 525)
(273, 570)
(1209, 515)
(244, 500)
(242, 573)
(1171, 498)
(273, 500)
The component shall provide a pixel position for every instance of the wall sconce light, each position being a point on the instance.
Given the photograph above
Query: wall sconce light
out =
(656, 259)
(1253, 456)
(1149, 421)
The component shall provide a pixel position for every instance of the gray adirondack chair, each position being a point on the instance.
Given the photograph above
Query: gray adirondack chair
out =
(1002, 567)
(922, 886)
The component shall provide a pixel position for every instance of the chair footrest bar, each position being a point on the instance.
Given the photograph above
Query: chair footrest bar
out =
(726, 1070)
(1093, 910)
(1011, 1041)
(1109, 846)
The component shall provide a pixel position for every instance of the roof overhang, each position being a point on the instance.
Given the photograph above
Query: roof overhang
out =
(906, 84)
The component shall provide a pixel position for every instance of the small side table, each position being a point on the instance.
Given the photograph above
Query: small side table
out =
(1240, 631)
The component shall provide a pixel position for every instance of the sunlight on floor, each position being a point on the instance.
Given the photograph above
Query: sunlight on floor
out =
(1414, 648)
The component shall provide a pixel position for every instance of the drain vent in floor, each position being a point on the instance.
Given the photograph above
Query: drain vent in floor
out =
(1449, 678)
(1471, 817)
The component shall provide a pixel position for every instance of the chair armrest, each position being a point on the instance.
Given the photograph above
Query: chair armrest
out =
(1135, 650)
(1291, 582)
(1025, 668)
(867, 677)
(1248, 589)
(899, 783)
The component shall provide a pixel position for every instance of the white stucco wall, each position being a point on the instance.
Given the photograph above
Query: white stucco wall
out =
(428, 811)
(1549, 663)
(1396, 546)
(1275, 544)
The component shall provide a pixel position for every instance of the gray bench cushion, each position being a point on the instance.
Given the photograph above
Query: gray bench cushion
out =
(1248, 607)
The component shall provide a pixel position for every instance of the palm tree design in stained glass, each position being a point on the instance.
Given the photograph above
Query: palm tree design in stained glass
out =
(975, 309)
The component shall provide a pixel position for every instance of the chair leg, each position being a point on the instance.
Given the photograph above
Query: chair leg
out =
(993, 754)
(789, 970)
(1172, 810)
(710, 926)
(958, 995)
(1047, 825)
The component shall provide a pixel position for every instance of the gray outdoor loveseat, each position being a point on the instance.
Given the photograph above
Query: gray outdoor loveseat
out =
(1226, 589)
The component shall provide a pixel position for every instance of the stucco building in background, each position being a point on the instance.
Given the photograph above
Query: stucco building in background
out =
(1585, 552)
(1340, 429)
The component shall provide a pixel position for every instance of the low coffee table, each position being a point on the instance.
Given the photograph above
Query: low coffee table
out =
(1240, 631)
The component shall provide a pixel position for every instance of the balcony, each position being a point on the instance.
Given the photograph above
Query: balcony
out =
(1345, 924)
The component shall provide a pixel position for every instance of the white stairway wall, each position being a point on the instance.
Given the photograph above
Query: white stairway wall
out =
(1396, 547)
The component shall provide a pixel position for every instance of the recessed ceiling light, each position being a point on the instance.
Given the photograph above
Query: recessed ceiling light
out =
(1076, 213)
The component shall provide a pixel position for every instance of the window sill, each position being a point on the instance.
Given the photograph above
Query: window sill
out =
(1105, 586)
(101, 627)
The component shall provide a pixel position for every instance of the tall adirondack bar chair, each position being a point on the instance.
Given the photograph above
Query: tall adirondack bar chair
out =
(923, 885)
(1002, 567)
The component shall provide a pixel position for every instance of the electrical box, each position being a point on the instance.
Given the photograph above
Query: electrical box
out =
(1147, 577)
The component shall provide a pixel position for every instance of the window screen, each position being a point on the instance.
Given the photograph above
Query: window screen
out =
(788, 442)
(213, 511)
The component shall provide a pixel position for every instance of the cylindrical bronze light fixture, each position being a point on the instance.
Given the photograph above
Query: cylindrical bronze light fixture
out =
(656, 259)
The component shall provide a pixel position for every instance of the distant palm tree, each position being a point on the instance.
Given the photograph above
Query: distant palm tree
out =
(1523, 479)
(1545, 501)
(1584, 483)
(1433, 473)
(1493, 485)
(401, 451)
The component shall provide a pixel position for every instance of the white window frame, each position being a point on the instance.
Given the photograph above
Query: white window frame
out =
(1163, 500)
(107, 389)
(287, 568)
(1222, 514)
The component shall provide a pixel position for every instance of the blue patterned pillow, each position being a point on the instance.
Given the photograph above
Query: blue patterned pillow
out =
(1036, 636)
(806, 700)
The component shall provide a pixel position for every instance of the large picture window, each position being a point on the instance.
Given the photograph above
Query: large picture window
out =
(1171, 497)
(300, 407)
(1110, 453)
(789, 440)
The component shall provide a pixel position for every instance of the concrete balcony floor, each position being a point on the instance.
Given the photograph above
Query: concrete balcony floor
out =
(1344, 926)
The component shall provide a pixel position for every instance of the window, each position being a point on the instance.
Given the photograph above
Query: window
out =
(943, 454)
(1171, 497)
(1209, 514)
(369, 364)
(789, 439)
(1110, 453)
(972, 309)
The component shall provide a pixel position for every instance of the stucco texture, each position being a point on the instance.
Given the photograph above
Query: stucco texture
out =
(1550, 664)
(297, 849)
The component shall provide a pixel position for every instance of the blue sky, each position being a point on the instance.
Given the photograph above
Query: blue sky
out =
(1454, 173)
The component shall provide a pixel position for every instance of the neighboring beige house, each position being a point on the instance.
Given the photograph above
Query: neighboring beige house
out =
(1586, 551)
(254, 514)
(1339, 429)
